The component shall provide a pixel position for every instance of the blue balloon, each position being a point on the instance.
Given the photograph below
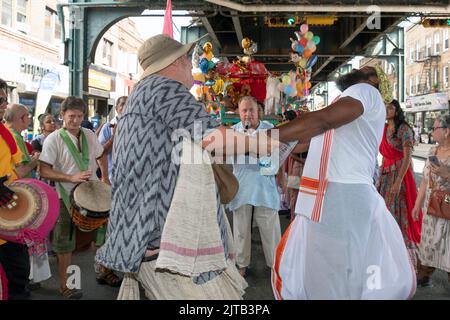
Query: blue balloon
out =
(312, 61)
(300, 49)
(288, 90)
(204, 65)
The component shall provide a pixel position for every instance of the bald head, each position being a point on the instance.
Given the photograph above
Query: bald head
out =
(17, 117)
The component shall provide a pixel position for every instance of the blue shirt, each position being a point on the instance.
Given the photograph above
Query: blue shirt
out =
(103, 137)
(254, 189)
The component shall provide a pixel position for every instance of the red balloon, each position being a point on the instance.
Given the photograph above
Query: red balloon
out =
(304, 42)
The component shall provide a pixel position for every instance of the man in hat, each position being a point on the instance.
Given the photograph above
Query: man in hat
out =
(145, 177)
(343, 243)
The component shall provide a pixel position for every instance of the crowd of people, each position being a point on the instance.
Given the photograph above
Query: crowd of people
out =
(168, 230)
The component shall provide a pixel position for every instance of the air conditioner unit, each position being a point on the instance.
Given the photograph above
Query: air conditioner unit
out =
(23, 27)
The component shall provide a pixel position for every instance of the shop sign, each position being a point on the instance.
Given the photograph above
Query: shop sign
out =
(428, 102)
(99, 80)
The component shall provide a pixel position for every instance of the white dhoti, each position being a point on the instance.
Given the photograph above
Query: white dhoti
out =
(355, 252)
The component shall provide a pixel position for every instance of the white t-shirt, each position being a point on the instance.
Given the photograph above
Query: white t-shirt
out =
(355, 145)
(56, 153)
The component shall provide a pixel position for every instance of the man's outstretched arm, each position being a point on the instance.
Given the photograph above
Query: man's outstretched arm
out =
(343, 111)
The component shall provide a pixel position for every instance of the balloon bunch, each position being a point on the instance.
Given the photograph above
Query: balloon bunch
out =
(288, 84)
(303, 57)
(203, 65)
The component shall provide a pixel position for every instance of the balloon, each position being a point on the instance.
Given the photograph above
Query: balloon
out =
(308, 85)
(304, 28)
(288, 90)
(303, 41)
(211, 64)
(299, 48)
(309, 35)
(246, 42)
(302, 63)
(316, 40)
(312, 61)
(299, 86)
(310, 44)
(286, 80)
(307, 53)
(203, 65)
(294, 45)
(313, 49)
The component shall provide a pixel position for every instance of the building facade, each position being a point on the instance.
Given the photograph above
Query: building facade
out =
(115, 69)
(31, 47)
(427, 62)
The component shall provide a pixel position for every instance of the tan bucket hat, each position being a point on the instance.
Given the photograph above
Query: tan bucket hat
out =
(160, 51)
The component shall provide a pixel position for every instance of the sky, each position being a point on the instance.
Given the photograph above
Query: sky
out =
(150, 26)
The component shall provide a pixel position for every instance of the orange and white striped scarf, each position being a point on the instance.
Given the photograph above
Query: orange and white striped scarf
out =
(313, 183)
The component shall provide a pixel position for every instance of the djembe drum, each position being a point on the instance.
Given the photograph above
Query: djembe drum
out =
(91, 203)
(34, 215)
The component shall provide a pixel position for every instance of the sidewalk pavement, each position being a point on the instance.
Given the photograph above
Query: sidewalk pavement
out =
(422, 150)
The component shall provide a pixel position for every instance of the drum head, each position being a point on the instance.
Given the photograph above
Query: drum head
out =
(19, 216)
(34, 215)
(93, 196)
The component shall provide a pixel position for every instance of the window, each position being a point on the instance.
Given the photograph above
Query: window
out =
(48, 32)
(436, 78)
(411, 85)
(7, 12)
(417, 51)
(417, 83)
(58, 34)
(445, 76)
(428, 83)
(445, 40)
(107, 52)
(411, 55)
(428, 49)
(437, 45)
(22, 11)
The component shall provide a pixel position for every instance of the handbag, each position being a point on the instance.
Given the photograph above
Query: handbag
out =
(439, 202)
(226, 182)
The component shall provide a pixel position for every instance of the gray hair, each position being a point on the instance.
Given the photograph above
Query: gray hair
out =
(444, 120)
(12, 111)
(248, 98)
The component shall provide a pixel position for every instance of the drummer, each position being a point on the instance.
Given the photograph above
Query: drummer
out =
(13, 256)
(58, 160)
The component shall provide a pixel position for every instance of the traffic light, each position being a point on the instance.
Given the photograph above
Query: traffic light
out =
(282, 22)
(436, 23)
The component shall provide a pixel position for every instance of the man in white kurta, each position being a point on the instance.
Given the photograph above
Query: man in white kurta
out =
(346, 245)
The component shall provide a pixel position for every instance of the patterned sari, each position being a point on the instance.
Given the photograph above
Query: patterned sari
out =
(401, 207)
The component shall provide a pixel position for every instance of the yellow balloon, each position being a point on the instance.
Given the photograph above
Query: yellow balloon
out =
(207, 47)
(299, 86)
(286, 80)
(246, 42)
(302, 63)
(309, 35)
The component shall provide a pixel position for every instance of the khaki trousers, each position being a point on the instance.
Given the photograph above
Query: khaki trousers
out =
(268, 223)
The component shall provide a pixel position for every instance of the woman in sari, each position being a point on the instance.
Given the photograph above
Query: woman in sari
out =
(434, 249)
(396, 180)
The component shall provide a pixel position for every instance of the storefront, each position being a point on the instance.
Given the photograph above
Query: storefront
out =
(423, 110)
(101, 84)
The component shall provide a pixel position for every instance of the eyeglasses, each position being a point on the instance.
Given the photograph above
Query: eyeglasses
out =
(3, 100)
(439, 128)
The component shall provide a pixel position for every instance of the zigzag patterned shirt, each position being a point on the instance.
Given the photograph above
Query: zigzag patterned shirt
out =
(144, 176)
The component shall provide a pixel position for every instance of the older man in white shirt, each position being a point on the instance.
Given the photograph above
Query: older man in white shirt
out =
(258, 194)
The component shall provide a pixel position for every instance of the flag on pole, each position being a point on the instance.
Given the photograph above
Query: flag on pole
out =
(168, 28)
